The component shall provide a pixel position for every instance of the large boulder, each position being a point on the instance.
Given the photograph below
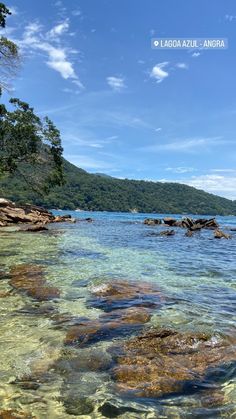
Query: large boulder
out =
(164, 361)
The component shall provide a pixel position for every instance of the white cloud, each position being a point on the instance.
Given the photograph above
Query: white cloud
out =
(230, 18)
(112, 138)
(59, 29)
(180, 169)
(186, 145)
(76, 12)
(158, 129)
(13, 10)
(88, 163)
(224, 171)
(34, 39)
(196, 54)
(158, 72)
(216, 184)
(183, 66)
(116, 83)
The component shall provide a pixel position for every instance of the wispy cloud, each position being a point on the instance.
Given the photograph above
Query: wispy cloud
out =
(87, 139)
(216, 184)
(230, 18)
(35, 39)
(77, 12)
(158, 73)
(180, 169)
(58, 30)
(186, 145)
(182, 66)
(196, 54)
(88, 162)
(13, 10)
(116, 83)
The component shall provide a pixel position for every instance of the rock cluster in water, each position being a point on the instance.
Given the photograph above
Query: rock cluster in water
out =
(188, 223)
(126, 305)
(148, 362)
(11, 213)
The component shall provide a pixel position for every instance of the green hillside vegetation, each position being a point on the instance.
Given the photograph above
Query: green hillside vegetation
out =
(100, 193)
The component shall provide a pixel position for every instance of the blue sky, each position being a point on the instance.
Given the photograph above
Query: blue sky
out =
(124, 109)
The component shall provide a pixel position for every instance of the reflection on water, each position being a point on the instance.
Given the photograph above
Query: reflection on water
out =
(63, 319)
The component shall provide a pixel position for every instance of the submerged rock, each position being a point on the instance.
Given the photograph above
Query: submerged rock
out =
(161, 362)
(14, 414)
(189, 233)
(121, 294)
(116, 323)
(30, 279)
(82, 332)
(110, 410)
(167, 233)
(34, 228)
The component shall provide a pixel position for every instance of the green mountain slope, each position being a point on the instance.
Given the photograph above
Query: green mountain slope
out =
(102, 193)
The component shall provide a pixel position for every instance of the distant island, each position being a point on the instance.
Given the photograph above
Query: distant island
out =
(98, 192)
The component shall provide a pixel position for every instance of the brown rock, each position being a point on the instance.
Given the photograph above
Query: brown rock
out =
(13, 414)
(122, 294)
(62, 218)
(161, 362)
(167, 233)
(30, 279)
(221, 235)
(82, 332)
(198, 224)
(152, 221)
(6, 203)
(131, 316)
(170, 221)
(12, 214)
(34, 228)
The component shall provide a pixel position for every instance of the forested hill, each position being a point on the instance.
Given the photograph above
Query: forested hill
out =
(103, 193)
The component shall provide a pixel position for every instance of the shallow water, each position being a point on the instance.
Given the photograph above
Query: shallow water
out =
(197, 276)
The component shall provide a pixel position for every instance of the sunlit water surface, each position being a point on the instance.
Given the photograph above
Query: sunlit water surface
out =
(197, 275)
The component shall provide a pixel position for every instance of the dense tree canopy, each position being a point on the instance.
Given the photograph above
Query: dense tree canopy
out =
(103, 193)
(9, 53)
(25, 138)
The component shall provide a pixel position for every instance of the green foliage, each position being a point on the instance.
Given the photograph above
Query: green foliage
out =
(25, 138)
(9, 53)
(4, 11)
(99, 193)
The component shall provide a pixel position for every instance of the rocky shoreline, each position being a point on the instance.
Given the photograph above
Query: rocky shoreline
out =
(33, 216)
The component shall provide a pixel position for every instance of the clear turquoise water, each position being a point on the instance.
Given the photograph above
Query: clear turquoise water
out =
(197, 275)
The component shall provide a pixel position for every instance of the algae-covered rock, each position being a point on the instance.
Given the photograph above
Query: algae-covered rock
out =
(162, 362)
